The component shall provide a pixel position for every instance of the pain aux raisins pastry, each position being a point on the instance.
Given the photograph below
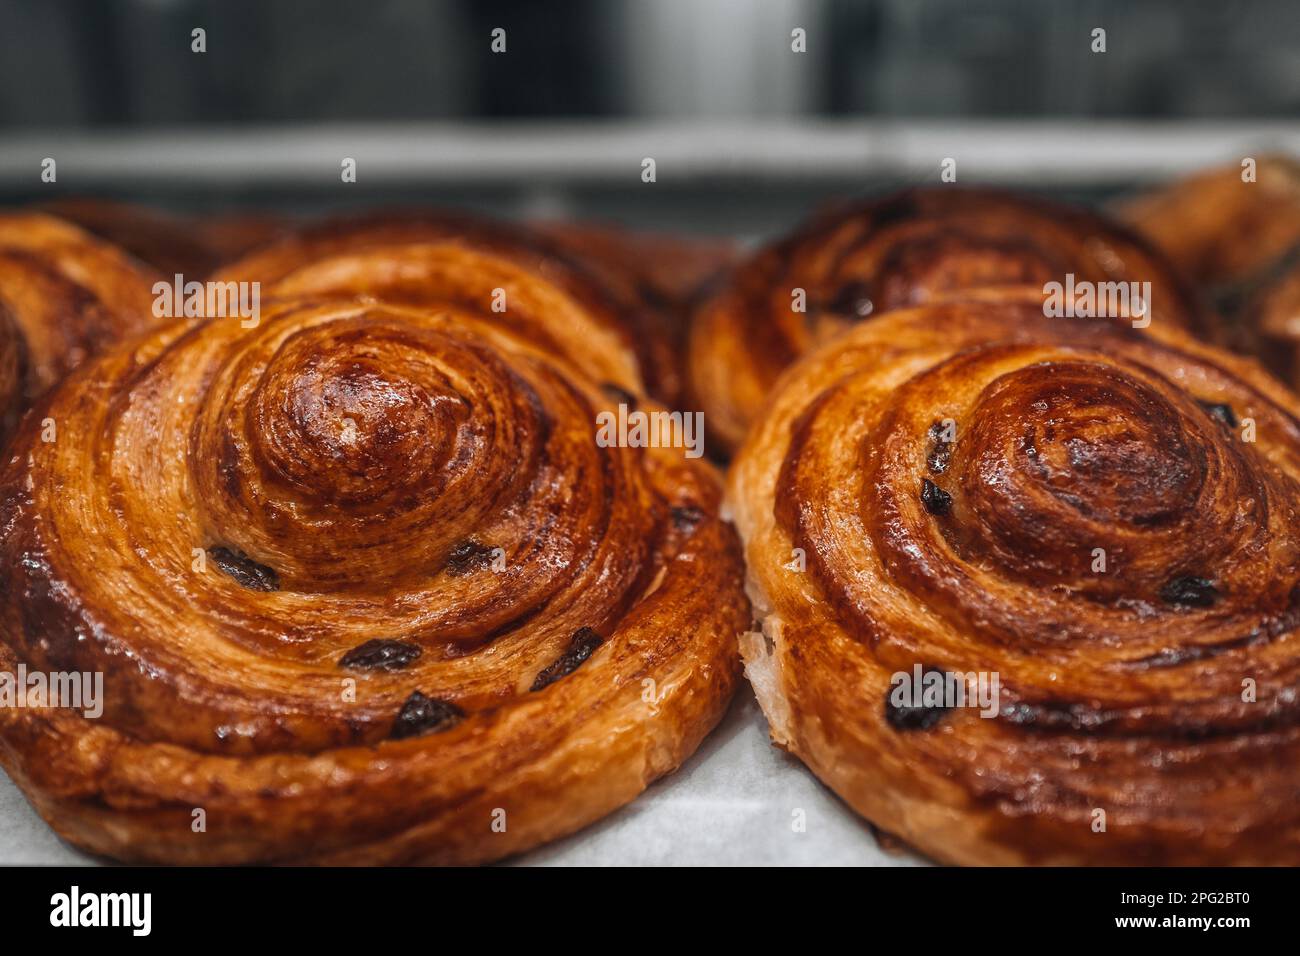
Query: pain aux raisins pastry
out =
(64, 295)
(656, 278)
(509, 274)
(1225, 225)
(363, 589)
(193, 246)
(1235, 232)
(170, 243)
(1272, 311)
(865, 259)
(1100, 525)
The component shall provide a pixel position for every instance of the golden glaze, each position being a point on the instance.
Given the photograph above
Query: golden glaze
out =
(890, 253)
(1240, 243)
(427, 258)
(191, 246)
(64, 295)
(656, 278)
(1216, 228)
(1071, 435)
(354, 448)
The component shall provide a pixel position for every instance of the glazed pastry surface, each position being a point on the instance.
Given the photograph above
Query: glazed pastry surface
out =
(363, 589)
(1218, 229)
(1107, 520)
(64, 295)
(169, 243)
(657, 279)
(1272, 312)
(508, 274)
(1239, 241)
(859, 261)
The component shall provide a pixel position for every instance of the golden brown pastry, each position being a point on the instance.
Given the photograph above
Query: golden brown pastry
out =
(364, 589)
(11, 371)
(1218, 229)
(1105, 520)
(425, 258)
(1239, 242)
(1272, 311)
(232, 235)
(64, 295)
(655, 277)
(865, 259)
(169, 243)
(664, 270)
(192, 247)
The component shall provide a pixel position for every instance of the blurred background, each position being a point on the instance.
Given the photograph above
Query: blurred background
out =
(747, 132)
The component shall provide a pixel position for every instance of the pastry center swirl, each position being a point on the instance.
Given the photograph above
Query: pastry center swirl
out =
(363, 435)
(1049, 498)
(1056, 459)
(354, 424)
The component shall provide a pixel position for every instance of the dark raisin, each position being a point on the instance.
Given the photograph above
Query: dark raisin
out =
(468, 556)
(913, 717)
(940, 450)
(686, 518)
(257, 577)
(380, 655)
(1220, 410)
(619, 394)
(852, 300)
(1189, 591)
(581, 646)
(936, 500)
(425, 715)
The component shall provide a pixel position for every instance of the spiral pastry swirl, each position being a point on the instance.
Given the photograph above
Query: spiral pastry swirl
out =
(1105, 521)
(64, 295)
(865, 259)
(507, 274)
(363, 587)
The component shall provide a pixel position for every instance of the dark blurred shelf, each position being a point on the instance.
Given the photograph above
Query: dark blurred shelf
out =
(737, 178)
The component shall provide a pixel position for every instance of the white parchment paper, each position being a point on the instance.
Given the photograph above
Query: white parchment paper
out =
(733, 803)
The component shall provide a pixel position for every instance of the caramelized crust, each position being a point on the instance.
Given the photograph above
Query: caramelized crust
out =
(64, 295)
(1240, 242)
(1272, 312)
(363, 589)
(933, 489)
(192, 247)
(1218, 229)
(424, 259)
(865, 259)
(655, 276)
(11, 371)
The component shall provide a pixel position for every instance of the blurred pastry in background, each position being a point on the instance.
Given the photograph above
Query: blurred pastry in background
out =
(1218, 228)
(657, 276)
(1272, 310)
(1238, 240)
(869, 257)
(171, 243)
(65, 295)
